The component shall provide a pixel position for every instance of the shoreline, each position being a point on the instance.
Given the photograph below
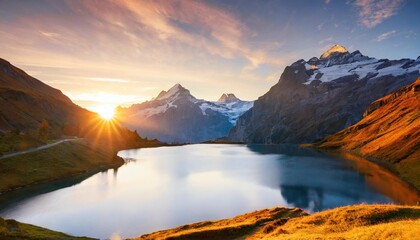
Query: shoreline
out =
(118, 162)
(338, 151)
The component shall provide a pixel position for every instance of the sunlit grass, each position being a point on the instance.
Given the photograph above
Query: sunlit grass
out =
(353, 222)
(57, 162)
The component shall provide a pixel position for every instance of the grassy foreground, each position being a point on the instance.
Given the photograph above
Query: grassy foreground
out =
(13, 230)
(352, 222)
(64, 160)
(384, 222)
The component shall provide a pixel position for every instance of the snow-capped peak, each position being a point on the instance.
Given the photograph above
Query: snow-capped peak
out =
(334, 49)
(228, 97)
(172, 92)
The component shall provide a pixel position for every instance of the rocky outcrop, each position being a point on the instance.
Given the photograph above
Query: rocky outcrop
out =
(321, 96)
(415, 87)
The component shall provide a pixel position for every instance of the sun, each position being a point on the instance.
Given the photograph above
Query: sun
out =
(106, 112)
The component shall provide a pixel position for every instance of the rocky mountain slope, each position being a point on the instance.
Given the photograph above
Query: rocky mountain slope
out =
(322, 96)
(26, 101)
(177, 116)
(389, 133)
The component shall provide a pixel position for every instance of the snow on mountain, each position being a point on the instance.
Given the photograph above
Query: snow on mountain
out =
(322, 96)
(176, 115)
(233, 110)
(228, 104)
(374, 68)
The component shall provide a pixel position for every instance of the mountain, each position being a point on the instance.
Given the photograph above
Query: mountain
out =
(321, 96)
(228, 97)
(26, 101)
(177, 116)
(389, 133)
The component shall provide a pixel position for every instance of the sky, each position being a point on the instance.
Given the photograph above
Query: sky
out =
(101, 52)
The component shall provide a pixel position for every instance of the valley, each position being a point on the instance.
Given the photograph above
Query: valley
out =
(209, 119)
(92, 158)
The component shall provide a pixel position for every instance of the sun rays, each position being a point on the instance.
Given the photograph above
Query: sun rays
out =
(106, 112)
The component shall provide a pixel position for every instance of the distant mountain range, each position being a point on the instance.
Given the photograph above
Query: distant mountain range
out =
(322, 96)
(177, 116)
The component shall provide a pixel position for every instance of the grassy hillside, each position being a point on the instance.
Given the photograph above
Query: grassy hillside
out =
(352, 222)
(61, 161)
(13, 230)
(26, 101)
(32, 113)
(388, 134)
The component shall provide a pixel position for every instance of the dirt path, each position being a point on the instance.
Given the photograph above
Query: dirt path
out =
(38, 148)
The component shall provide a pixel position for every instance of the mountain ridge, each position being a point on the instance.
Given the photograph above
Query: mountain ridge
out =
(228, 97)
(177, 116)
(25, 102)
(320, 97)
(336, 49)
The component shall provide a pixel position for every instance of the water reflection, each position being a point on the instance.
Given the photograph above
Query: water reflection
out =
(382, 180)
(346, 176)
(171, 186)
(303, 197)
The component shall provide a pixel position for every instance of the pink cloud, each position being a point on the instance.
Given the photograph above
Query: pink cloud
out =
(386, 35)
(374, 12)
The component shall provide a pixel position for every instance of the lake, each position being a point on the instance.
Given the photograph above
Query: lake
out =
(164, 187)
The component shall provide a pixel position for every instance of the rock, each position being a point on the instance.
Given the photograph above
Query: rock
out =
(307, 104)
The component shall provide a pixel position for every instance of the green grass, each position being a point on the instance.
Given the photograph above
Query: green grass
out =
(13, 230)
(12, 143)
(61, 161)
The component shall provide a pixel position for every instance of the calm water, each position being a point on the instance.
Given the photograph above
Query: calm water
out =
(165, 187)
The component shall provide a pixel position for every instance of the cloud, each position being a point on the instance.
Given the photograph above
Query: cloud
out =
(374, 12)
(326, 40)
(193, 23)
(50, 34)
(126, 44)
(386, 35)
(327, 1)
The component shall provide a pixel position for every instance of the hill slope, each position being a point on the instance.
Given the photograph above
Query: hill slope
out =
(389, 133)
(321, 96)
(26, 101)
(14, 230)
(61, 161)
(352, 222)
